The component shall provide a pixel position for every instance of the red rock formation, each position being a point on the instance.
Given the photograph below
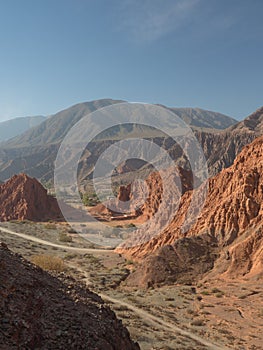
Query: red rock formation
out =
(246, 255)
(233, 204)
(124, 194)
(22, 197)
(143, 208)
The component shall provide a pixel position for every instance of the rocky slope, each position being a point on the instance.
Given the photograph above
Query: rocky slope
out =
(197, 117)
(221, 149)
(246, 255)
(22, 197)
(232, 208)
(40, 311)
(182, 262)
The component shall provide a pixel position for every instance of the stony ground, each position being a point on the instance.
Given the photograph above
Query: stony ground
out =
(43, 311)
(226, 313)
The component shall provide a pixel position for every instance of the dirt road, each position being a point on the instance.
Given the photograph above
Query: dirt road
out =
(41, 241)
(146, 316)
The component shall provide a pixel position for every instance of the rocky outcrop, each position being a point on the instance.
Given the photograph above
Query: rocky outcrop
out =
(131, 200)
(124, 194)
(40, 311)
(253, 123)
(23, 197)
(221, 148)
(246, 255)
(185, 261)
(233, 207)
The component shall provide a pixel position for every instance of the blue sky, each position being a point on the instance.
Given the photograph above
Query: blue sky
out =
(196, 53)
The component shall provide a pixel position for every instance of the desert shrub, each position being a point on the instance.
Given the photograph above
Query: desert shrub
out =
(71, 230)
(260, 313)
(48, 262)
(197, 323)
(121, 308)
(70, 256)
(129, 262)
(219, 295)
(50, 226)
(131, 225)
(169, 299)
(17, 221)
(63, 237)
(243, 296)
(89, 199)
(205, 292)
(106, 234)
(216, 290)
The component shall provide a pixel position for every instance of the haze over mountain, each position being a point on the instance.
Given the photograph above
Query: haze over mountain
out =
(55, 128)
(201, 118)
(13, 127)
(34, 151)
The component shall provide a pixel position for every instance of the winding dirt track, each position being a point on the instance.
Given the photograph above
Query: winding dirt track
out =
(141, 313)
(61, 246)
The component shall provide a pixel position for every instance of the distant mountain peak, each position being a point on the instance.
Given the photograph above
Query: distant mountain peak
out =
(16, 126)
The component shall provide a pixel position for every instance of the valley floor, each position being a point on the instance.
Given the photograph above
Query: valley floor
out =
(214, 314)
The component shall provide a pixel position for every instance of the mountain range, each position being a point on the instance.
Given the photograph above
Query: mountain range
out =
(34, 151)
(16, 126)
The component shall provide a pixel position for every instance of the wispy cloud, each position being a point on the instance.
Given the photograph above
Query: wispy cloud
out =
(149, 20)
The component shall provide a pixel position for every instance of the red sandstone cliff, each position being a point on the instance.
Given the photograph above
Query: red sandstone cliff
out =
(22, 197)
(233, 207)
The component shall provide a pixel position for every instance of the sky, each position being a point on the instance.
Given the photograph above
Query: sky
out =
(180, 53)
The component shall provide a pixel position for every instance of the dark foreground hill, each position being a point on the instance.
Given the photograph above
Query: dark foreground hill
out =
(40, 311)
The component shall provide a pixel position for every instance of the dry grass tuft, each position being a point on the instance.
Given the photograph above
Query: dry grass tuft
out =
(48, 262)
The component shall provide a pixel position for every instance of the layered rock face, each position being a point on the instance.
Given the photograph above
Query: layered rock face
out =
(40, 311)
(221, 148)
(22, 197)
(233, 207)
(183, 261)
(132, 200)
(247, 255)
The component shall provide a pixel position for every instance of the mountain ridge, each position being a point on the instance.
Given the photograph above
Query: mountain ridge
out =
(13, 127)
(30, 152)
